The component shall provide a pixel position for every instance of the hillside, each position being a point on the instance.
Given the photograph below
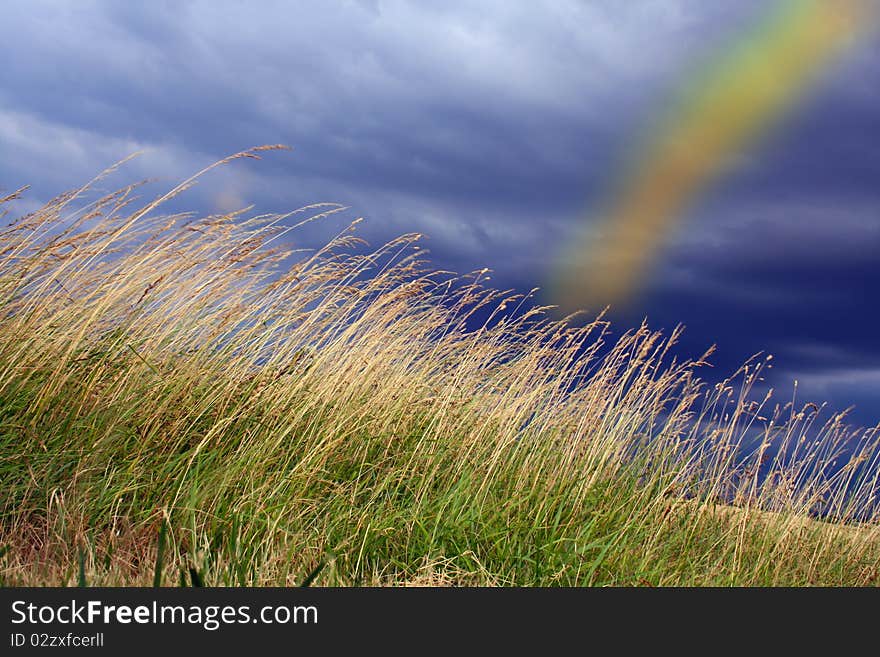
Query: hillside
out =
(176, 395)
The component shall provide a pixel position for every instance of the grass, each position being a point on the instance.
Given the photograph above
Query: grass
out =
(180, 405)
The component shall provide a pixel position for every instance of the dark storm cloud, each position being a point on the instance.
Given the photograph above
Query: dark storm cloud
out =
(798, 278)
(495, 128)
(467, 104)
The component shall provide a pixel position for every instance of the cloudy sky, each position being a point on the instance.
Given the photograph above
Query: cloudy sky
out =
(496, 128)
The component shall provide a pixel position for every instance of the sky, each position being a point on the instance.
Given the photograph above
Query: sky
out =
(497, 129)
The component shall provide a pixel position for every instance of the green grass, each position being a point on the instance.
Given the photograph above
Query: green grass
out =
(180, 406)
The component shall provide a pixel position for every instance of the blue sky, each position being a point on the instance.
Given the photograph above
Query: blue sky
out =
(495, 128)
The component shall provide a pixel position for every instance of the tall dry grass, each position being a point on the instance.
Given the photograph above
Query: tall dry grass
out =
(360, 417)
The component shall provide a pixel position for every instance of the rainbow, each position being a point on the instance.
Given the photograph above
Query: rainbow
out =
(738, 98)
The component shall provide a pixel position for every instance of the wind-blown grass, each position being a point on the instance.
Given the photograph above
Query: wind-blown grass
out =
(180, 405)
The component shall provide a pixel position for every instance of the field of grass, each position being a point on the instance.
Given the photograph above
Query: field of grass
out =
(179, 405)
